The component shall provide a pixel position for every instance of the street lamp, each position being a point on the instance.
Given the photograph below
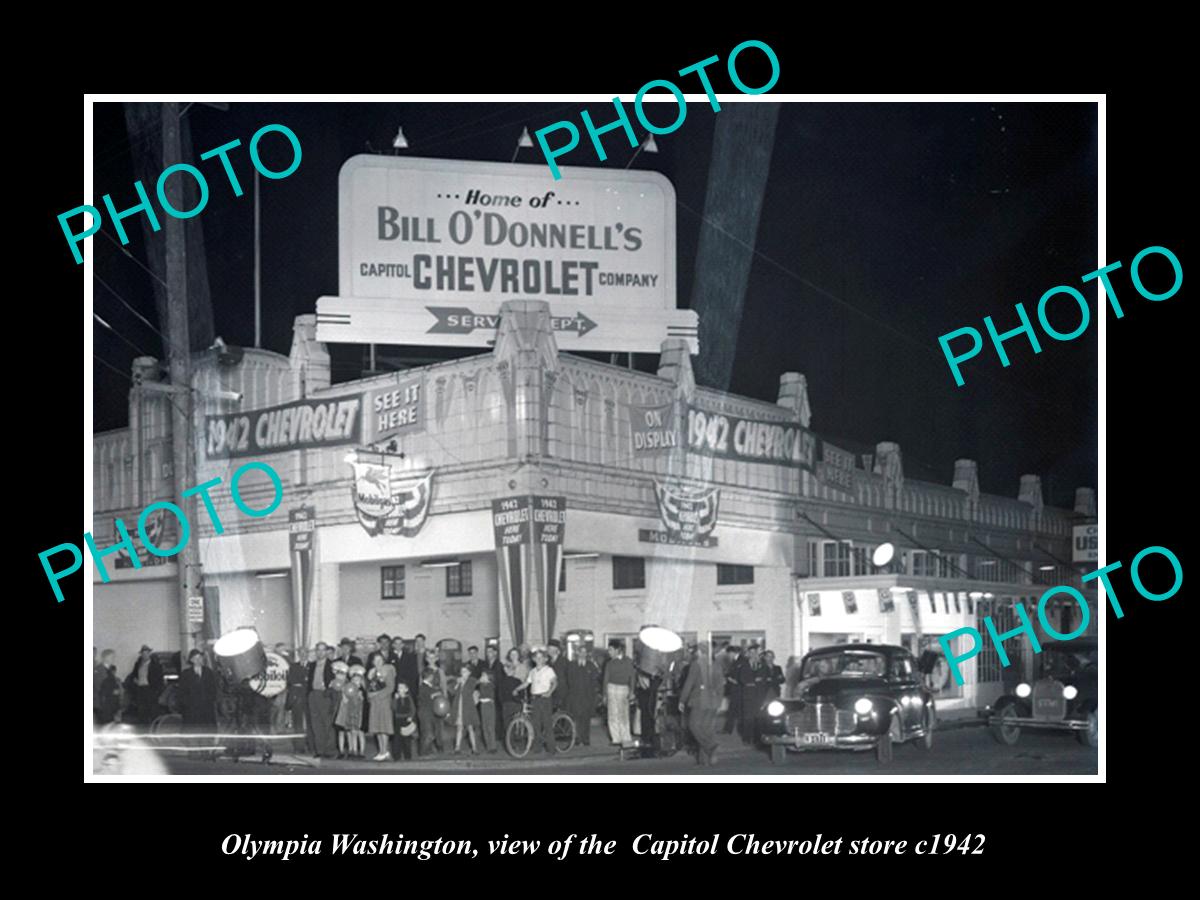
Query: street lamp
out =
(523, 141)
(399, 142)
(648, 145)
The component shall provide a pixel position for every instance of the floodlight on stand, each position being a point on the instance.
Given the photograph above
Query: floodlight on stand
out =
(655, 647)
(240, 654)
(883, 554)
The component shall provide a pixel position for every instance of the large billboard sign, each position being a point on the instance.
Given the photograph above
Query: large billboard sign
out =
(428, 249)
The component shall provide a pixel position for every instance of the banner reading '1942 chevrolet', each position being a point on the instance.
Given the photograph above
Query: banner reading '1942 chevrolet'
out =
(751, 440)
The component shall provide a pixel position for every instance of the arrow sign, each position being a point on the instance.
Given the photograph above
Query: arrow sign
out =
(459, 320)
(404, 321)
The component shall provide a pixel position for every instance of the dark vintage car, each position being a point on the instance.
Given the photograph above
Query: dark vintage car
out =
(851, 697)
(1064, 697)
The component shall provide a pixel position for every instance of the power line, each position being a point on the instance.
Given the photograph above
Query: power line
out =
(139, 350)
(143, 319)
(121, 247)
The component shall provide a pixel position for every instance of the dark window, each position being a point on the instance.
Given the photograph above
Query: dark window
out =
(458, 580)
(392, 582)
(735, 574)
(629, 573)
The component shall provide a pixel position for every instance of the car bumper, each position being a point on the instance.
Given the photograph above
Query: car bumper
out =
(1047, 724)
(839, 742)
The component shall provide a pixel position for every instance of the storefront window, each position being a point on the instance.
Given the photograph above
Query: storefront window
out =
(458, 580)
(392, 578)
(862, 561)
(728, 574)
(629, 573)
(837, 559)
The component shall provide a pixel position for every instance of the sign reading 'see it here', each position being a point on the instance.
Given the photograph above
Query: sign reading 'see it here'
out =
(397, 409)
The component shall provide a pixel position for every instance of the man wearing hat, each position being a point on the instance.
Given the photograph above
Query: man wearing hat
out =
(146, 679)
(558, 662)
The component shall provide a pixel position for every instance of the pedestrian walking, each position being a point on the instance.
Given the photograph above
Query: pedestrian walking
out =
(700, 697)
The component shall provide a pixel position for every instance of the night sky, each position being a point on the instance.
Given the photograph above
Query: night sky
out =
(883, 227)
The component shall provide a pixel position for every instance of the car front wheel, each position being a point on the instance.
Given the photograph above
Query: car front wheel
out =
(1004, 733)
(926, 742)
(886, 748)
(1091, 737)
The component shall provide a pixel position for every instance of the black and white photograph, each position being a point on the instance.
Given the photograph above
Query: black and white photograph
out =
(472, 439)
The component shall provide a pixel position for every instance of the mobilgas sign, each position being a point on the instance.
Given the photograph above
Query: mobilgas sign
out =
(446, 231)
(290, 426)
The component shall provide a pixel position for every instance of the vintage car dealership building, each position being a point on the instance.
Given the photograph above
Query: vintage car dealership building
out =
(524, 492)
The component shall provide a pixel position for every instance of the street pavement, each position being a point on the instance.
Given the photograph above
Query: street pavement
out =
(960, 748)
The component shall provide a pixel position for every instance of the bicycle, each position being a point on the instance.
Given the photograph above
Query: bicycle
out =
(520, 733)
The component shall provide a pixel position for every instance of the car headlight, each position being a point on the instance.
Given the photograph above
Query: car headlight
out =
(1024, 690)
(862, 706)
(775, 709)
(1070, 692)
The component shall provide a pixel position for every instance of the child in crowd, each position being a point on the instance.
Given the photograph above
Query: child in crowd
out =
(466, 717)
(487, 710)
(430, 722)
(337, 689)
(350, 714)
(406, 727)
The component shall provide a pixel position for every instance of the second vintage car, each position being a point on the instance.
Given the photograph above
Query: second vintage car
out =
(851, 697)
(1064, 698)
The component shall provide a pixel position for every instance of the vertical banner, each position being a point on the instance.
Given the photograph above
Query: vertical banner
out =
(302, 523)
(511, 523)
(549, 526)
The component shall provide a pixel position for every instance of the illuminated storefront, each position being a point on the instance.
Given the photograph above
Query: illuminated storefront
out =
(526, 492)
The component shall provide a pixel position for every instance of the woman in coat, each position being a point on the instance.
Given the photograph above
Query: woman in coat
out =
(381, 684)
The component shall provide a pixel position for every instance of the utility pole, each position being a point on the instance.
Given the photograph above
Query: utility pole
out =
(183, 460)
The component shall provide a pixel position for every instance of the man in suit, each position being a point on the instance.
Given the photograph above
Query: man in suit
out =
(146, 682)
(747, 678)
(407, 665)
(495, 668)
(106, 689)
(474, 663)
(773, 675)
(197, 693)
(583, 682)
(558, 662)
(700, 697)
(297, 692)
(319, 674)
(346, 652)
(733, 691)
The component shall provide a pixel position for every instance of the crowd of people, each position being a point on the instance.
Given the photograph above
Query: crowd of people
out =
(408, 700)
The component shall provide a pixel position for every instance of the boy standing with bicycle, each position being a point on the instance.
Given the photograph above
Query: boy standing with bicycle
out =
(541, 682)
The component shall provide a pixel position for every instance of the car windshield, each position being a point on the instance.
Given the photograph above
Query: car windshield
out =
(1063, 662)
(848, 662)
